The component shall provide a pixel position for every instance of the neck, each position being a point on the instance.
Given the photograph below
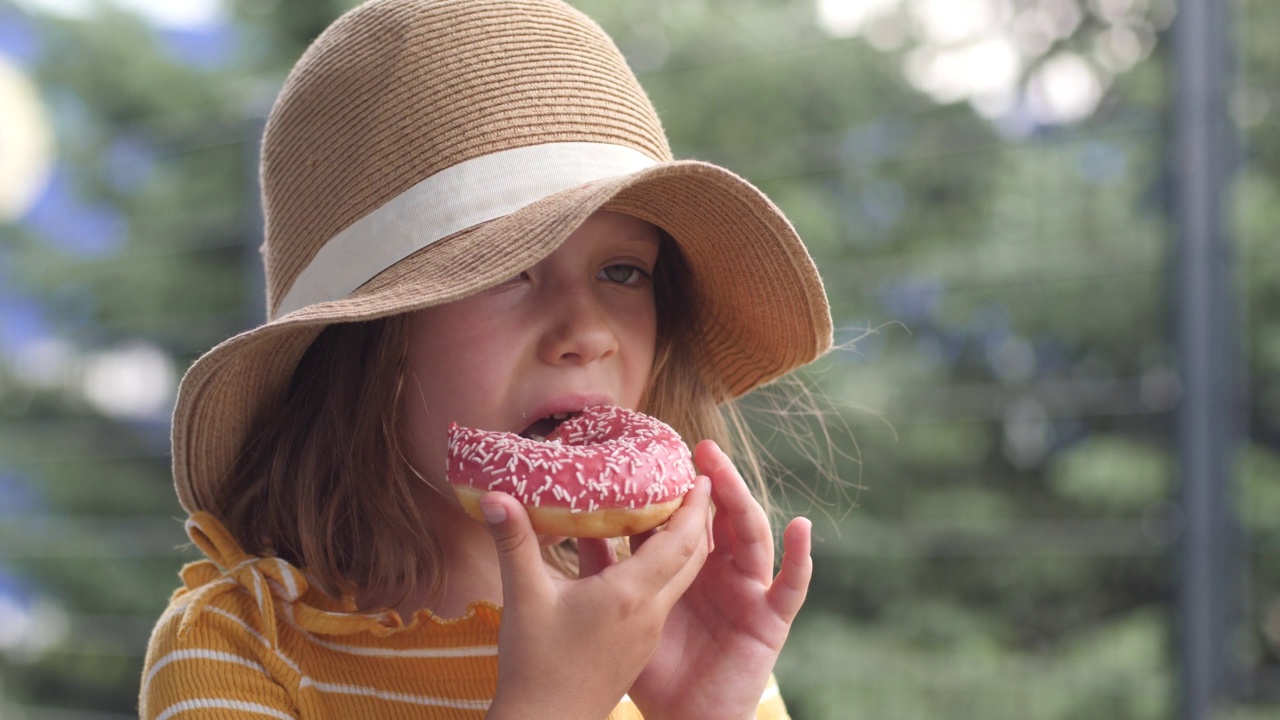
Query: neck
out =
(470, 569)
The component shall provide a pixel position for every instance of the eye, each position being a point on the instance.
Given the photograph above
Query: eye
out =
(624, 274)
(509, 283)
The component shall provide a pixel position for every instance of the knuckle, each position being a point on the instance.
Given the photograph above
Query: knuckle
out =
(641, 614)
(688, 545)
(629, 608)
(511, 544)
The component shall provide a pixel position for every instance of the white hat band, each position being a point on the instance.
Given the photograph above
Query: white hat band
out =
(454, 199)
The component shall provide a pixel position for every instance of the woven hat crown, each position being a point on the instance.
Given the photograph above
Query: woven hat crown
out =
(397, 90)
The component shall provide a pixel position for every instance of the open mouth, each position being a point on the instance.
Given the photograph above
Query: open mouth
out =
(542, 429)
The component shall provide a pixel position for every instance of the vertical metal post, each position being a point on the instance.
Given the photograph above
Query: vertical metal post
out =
(1202, 162)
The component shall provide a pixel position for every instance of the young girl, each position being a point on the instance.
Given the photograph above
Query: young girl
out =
(473, 216)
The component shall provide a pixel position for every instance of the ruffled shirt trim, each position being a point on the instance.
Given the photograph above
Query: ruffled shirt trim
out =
(271, 580)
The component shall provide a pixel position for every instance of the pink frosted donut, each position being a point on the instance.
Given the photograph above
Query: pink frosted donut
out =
(605, 472)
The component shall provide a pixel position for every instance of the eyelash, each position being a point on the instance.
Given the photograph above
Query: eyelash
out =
(638, 275)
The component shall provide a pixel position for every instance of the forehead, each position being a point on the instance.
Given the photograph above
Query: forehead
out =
(604, 225)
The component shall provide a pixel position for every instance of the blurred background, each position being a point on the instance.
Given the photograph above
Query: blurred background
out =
(1044, 228)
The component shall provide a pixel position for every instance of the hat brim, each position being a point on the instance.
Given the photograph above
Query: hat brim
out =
(759, 309)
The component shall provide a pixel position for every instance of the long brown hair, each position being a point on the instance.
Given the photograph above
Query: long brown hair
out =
(325, 484)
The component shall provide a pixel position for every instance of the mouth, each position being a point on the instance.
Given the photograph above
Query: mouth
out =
(542, 428)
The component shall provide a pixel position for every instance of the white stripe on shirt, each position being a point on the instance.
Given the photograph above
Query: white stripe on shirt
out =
(204, 703)
(394, 696)
(257, 636)
(198, 654)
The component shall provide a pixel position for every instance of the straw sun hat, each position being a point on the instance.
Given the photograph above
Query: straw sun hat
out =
(422, 150)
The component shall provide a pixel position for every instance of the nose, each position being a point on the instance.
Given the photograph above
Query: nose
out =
(579, 329)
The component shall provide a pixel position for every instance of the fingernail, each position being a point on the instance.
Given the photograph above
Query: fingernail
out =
(494, 513)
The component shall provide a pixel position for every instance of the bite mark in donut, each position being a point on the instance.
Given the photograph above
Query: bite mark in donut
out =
(605, 472)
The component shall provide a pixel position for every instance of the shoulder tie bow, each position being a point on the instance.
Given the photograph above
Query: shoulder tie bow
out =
(229, 568)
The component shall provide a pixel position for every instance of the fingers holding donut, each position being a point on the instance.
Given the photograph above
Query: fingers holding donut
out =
(741, 526)
(728, 628)
(673, 557)
(519, 554)
(604, 625)
(639, 539)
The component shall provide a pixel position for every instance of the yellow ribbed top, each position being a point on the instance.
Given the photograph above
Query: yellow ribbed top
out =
(248, 637)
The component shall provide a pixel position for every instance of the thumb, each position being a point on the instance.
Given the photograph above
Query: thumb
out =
(519, 555)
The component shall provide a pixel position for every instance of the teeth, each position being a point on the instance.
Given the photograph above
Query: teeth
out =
(560, 416)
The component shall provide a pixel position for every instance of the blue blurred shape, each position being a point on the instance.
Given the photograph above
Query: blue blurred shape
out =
(130, 163)
(882, 204)
(16, 598)
(18, 40)
(22, 322)
(74, 227)
(208, 47)
(18, 496)
(913, 299)
(876, 141)
(15, 590)
(940, 347)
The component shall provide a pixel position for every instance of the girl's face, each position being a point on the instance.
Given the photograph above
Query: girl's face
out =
(577, 329)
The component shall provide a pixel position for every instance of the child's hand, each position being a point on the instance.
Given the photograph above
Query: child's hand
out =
(722, 638)
(572, 648)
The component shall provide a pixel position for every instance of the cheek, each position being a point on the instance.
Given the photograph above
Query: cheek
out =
(461, 379)
(641, 348)
(456, 350)
(648, 348)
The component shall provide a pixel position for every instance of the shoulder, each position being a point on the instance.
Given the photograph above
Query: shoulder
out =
(212, 649)
(219, 612)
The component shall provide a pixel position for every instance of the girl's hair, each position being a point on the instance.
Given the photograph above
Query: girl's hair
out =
(326, 486)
